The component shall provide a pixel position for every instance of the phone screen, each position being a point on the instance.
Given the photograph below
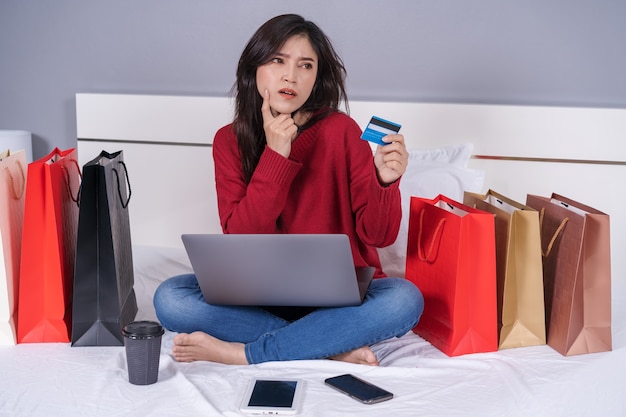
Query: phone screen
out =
(272, 394)
(359, 389)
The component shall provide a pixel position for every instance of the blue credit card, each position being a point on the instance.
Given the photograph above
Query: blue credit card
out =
(378, 128)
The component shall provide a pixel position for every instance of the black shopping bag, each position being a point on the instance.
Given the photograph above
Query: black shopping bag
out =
(104, 299)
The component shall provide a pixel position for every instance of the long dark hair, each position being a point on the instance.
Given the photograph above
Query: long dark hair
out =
(328, 92)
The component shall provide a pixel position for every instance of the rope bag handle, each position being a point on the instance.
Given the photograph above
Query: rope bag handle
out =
(554, 236)
(17, 194)
(434, 242)
(119, 188)
(67, 181)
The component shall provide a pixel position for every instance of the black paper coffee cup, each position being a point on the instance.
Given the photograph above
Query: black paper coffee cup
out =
(142, 340)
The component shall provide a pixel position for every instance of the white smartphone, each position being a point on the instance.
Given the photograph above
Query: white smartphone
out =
(272, 396)
(360, 390)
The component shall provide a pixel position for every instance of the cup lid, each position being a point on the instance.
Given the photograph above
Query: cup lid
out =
(142, 330)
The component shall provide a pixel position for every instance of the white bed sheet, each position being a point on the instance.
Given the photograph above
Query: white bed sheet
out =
(54, 379)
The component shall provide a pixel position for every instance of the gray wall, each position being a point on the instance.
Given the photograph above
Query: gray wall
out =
(538, 52)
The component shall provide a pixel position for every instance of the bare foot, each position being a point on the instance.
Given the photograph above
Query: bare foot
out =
(361, 356)
(199, 346)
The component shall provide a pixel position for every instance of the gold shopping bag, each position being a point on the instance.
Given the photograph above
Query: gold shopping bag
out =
(521, 313)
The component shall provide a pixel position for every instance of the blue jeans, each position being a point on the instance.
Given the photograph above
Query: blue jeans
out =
(391, 308)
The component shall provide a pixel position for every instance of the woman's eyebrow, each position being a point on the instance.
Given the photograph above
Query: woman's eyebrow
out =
(304, 58)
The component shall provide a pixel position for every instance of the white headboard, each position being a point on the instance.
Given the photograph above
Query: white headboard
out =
(576, 152)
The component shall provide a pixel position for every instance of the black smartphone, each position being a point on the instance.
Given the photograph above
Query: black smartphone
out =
(360, 390)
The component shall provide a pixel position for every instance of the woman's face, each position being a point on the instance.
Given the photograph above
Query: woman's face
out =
(289, 76)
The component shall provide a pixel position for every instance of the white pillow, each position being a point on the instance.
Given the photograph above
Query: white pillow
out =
(457, 155)
(446, 174)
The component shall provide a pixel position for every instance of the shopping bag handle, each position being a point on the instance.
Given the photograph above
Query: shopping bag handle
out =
(554, 236)
(17, 194)
(433, 242)
(67, 181)
(119, 188)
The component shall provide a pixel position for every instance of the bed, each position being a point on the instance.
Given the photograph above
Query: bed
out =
(515, 150)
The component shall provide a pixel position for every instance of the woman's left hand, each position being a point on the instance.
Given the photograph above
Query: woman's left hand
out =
(391, 159)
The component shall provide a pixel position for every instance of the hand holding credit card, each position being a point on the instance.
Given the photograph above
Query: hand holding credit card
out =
(378, 128)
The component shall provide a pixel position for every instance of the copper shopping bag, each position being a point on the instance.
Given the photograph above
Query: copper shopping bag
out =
(103, 298)
(48, 248)
(12, 186)
(451, 259)
(521, 313)
(577, 274)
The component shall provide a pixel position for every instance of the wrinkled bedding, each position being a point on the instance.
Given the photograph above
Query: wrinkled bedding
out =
(54, 379)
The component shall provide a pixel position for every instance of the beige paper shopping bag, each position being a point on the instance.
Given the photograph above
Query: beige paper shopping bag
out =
(521, 313)
(12, 185)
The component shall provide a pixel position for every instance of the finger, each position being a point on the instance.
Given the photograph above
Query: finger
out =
(393, 154)
(392, 163)
(393, 138)
(266, 112)
(395, 143)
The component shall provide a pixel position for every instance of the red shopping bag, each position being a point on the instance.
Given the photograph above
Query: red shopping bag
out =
(451, 257)
(12, 186)
(48, 248)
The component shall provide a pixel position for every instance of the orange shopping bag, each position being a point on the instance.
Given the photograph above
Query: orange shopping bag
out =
(48, 248)
(451, 258)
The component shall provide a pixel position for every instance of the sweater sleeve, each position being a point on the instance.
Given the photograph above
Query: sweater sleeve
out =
(252, 207)
(378, 222)
(377, 208)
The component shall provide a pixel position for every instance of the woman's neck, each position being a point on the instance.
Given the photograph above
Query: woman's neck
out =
(301, 117)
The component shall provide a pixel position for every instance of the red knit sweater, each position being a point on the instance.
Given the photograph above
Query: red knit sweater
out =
(327, 185)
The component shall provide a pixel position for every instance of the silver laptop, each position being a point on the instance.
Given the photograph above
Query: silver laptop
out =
(277, 269)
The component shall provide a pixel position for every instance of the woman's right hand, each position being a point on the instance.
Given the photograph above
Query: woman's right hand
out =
(280, 131)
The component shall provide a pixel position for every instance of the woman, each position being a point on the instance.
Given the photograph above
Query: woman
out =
(291, 162)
